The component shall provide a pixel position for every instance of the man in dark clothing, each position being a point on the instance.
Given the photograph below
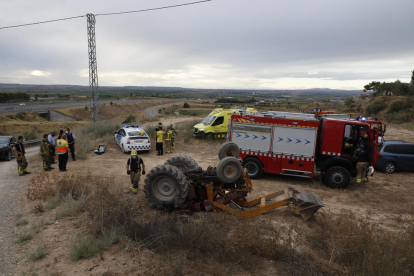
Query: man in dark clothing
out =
(133, 167)
(71, 141)
(20, 156)
(363, 163)
(158, 128)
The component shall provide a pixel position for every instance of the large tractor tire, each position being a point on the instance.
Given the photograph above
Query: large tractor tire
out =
(337, 177)
(166, 186)
(182, 162)
(228, 149)
(229, 170)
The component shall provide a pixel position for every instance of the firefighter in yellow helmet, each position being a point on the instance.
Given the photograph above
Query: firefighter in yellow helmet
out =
(133, 167)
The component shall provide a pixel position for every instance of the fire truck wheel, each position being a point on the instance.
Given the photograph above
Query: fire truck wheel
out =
(253, 166)
(389, 168)
(228, 149)
(182, 162)
(166, 186)
(229, 169)
(337, 177)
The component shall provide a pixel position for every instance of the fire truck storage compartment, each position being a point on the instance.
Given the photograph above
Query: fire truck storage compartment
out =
(294, 141)
(251, 137)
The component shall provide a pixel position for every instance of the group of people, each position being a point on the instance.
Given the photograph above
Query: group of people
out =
(50, 145)
(166, 136)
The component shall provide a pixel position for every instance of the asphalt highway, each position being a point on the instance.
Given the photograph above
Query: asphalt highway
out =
(153, 111)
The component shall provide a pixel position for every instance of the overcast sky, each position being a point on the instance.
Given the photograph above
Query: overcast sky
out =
(247, 44)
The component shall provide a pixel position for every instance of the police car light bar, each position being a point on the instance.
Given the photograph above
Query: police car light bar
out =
(126, 126)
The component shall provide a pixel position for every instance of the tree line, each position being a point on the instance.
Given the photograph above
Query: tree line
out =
(9, 97)
(396, 88)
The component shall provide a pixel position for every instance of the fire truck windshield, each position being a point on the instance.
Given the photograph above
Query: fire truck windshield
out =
(208, 120)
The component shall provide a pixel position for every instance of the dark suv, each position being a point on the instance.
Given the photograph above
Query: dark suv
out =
(395, 155)
(6, 147)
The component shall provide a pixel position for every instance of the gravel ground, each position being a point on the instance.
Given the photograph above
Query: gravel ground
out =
(11, 189)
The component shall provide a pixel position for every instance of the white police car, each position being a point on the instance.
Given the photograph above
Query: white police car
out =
(132, 137)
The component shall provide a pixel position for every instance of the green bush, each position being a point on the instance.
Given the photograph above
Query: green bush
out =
(24, 237)
(375, 107)
(40, 253)
(22, 222)
(401, 117)
(21, 115)
(85, 246)
(398, 105)
(130, 119)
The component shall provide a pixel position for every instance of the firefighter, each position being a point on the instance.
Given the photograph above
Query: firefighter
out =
(133, 167)
(20, 156)
(52, 146)
(173, 136)
(71, 138)
(45, 153)
(63, 148)
(168, 137)
(159, 144)
(363, 163)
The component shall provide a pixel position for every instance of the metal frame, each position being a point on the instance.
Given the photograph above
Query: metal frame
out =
(93, 69)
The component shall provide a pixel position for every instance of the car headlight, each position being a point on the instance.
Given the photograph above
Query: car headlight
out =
(201, 129)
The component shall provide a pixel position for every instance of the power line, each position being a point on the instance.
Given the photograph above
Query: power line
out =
(113, 13)
(42, 22)
(153, 9)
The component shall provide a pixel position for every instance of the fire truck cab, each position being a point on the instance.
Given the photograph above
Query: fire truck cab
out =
(299, 144)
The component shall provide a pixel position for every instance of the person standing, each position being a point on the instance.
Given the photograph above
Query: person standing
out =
(168, 136)
(133, 167)
(71, 141)
(362, 165)
(173, 136)
(159, 145)
(158, 128)
(52, 146)
(20, 156)
(45, 153)
(63, 148)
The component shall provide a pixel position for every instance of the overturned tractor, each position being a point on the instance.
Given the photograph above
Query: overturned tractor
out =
(180, 183)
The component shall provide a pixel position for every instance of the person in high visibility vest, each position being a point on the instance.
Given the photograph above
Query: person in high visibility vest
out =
(159, 144)
(133, 167)
(62, 148)
(45, 153)
(168, 137)
(20, 158)
(174, 133)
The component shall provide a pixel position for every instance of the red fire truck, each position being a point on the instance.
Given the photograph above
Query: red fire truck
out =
(301, 145)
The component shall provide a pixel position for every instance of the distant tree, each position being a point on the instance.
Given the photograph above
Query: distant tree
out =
(36, 97)
(349, 102)
(130, 94)
(186, 105)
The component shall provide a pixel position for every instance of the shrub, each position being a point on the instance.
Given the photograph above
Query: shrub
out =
(398, 105)
(401, 117)
(24, 237)
(40, 253)
(21, 115)
(22, 222)
(375, 107)
(186, 105)
(40, 187)
(85, 246)
(130, 119)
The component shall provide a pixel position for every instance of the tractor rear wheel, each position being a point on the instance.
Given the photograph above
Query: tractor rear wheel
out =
(229, 170)
(228, 149)
(182, 162)
(166, 186)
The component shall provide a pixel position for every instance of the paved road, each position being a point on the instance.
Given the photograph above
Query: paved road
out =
(12, 187)
(43, 106)
(153, 111)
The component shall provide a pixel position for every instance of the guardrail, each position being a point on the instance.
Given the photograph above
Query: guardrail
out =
(31, 142)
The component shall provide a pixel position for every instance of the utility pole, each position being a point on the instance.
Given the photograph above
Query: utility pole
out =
(93, 69)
